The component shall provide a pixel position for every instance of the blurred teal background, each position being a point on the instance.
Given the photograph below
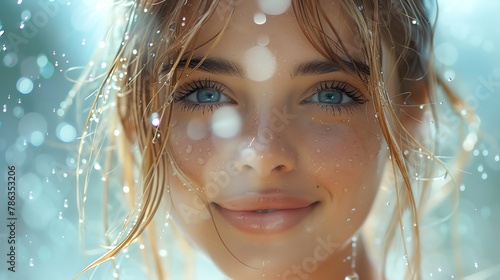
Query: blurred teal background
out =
(41, 39)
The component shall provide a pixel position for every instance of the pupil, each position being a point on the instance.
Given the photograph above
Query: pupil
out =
(332, 97)
(208, 96)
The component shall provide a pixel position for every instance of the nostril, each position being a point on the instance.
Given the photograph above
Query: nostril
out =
(280, 167)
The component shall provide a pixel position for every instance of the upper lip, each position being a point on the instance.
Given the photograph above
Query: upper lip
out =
(264, 201)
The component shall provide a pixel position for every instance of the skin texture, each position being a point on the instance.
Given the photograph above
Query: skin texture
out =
(286, 144)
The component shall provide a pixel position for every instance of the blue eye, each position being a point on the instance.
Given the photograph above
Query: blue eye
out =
(336, 93)
(333, 96)
(201, 95)
(330, 97)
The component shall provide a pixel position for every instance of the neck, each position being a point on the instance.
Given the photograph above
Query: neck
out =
(349, 262)
(336, 266)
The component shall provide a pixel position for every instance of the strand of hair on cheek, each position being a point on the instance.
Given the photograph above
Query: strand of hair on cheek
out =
(396, 158)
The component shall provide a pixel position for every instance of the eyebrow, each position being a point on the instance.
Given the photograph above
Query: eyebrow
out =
(226, 67)
(317, 67)
(213, 65)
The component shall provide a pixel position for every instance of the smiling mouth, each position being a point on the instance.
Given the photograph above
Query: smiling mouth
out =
(251, 217)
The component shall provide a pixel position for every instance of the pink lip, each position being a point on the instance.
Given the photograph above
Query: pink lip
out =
(267, 213)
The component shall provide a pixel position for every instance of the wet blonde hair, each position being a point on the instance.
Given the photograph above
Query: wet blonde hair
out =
(136, 86)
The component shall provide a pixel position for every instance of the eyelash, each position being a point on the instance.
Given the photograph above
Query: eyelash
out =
(347, 89)
(187, 89)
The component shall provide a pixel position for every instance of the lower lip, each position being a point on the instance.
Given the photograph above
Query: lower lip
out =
(275, 222)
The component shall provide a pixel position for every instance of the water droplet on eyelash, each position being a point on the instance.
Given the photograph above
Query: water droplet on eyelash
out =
(189, 149)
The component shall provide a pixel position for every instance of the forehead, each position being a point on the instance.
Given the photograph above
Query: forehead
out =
(274, 25)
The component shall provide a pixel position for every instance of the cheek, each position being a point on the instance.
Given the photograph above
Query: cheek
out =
(191, 152)
(347, 160)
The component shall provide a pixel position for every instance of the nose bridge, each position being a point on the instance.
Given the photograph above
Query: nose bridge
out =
(266, 147)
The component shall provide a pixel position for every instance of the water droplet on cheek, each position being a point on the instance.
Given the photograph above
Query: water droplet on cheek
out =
(200, 161)
(189, 149)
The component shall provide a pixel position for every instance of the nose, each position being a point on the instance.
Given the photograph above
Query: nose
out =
(268, 153)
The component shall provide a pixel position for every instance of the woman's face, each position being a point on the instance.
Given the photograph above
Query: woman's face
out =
(283, 146)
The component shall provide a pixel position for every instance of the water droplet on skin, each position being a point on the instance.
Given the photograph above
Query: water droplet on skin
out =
(318, 151)
(346, 190)
(421, 107)
(65, 203)
(60, 216)
(200, 161)
(30, 195)
(388, 203)
(348, 220)
(189, 149)
(353, 210)
(32, 262)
